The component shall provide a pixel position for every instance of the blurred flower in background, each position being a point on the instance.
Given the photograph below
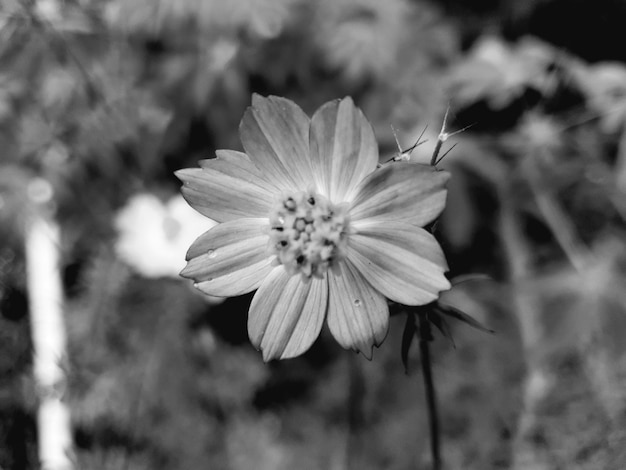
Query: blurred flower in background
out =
(500, 72)
(605, 84)
(153, 236)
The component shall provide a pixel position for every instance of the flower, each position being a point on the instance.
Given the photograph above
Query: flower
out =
(308, 220)
(172, 227)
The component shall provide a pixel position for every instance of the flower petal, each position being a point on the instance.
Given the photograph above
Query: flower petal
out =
(231, 258)
(403, 262)
(227, 189)
(343, 148)
(358, 315)
(238, 163)
(408, 192)
(286, 314)
(275, 134)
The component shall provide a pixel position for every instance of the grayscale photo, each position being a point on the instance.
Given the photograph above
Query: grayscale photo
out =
(312, 235)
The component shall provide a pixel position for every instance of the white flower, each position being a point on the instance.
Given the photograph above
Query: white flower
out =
(307, 220)
(154, 236)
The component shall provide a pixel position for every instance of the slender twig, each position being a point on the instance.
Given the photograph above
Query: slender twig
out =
(555, 217)
(526, 308)
(425, 336)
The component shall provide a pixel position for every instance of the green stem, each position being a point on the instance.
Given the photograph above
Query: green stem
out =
(433, 159)
(425, 337)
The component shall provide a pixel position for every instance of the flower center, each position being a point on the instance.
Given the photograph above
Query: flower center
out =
(308, 233)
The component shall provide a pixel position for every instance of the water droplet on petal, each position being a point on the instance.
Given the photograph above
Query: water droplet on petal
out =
(357, 303)
(211, 253)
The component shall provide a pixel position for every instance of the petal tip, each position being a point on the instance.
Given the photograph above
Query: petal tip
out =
(267, 357)
(349, 101)
(186, 273)
(367, 352)
(182, 174)
(257, 98)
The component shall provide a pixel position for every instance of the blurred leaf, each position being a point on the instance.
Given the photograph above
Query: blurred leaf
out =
(35, 133)
(107, 125)
(461, 316)
(499, 73)
(360, 38)
(57, 89)
(112, 459)
(62, 16)
(408, 335)
(261, 18)
(264, 19)
(255, 443)
(604, 84)
(441, 324)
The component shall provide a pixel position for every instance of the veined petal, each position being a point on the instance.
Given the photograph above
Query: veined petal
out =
(408, 192)
(286, 314)
(358, 315)
(231, 258)
(231, 156)
(343, 148)
(239, 164)
(403, 262)
(228, 188)
(275, 134)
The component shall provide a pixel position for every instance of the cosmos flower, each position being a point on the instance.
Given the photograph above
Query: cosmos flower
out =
(308, 221)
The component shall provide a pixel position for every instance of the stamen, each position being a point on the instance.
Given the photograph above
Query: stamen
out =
(290, 204)
(308, 233)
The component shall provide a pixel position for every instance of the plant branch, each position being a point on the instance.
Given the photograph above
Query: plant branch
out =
(555, 217)
(525, 306)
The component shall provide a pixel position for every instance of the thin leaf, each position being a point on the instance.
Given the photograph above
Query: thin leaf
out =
(462, 316)
(441, 324)
(410, 328)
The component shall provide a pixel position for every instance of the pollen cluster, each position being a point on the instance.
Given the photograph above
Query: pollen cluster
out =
(308, 233)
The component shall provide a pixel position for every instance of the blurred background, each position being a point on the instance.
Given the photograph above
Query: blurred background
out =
(101, 100)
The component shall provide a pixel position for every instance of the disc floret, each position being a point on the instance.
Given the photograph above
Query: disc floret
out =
(308, 234)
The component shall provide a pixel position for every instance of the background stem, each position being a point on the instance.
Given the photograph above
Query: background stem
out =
(525, 305)
(425, 337)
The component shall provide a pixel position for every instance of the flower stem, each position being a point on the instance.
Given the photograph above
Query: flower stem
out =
(425, 337)
(435, 156)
